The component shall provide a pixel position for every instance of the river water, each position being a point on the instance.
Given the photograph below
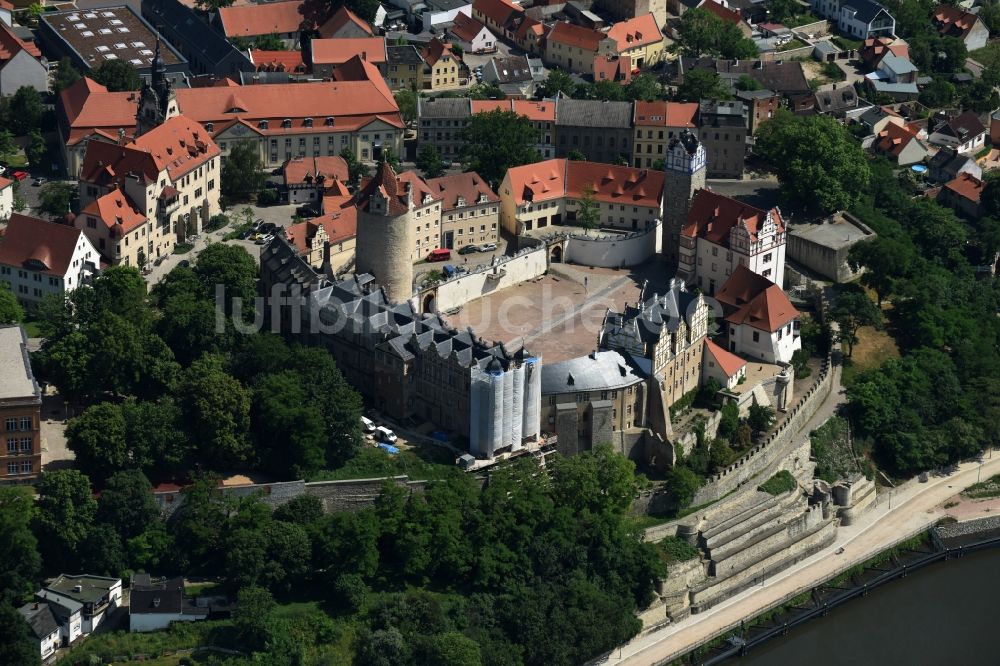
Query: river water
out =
(947, 613)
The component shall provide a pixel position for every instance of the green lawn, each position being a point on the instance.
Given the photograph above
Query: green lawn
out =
(988, 488)
(846, 43)
(420, 462)
(794, 44)
(988, 56)
(183, 248)
(155, 647)
(31, 328)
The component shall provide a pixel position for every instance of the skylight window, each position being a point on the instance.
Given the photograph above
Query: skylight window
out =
(79, 26)
(105, 31)
(139, 45)
(108, 14)
(136, 61)
(110, 56)
(145, 52)
(116, 22)
(73, 17)
(103, 49)
(87, 33)
(123, 30)
(90, 15)
(121, 45)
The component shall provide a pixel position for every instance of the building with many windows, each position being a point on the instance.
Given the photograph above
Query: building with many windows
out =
(656, 124)
(469, 210)
(39, 258)
(20, 409)
(860, 19)
(760, 323)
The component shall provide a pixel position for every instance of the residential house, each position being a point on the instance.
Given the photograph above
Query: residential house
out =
(469, 210)
(995, 128)
(542, 115)
(900, 144)
(601, 130)
(640, 39)
(964, 132)
(963, 195)
(875, 119)
(441, 122)
(6, 13)
(948, 164)
(761, 106)
(329, 54)
(656, 123)
(329, 241)
(443, 68)
(723, 366)
(497, 15)
(140, 198)
(723, 127)
(20, 407)
(760, 322)
(20, 64)
(964, 25)
(282, 19)
(722, 234)
(859, 19)
(784, 77)
(574, 48)
(6, 197)
(472, 35)
(587, 399)
(404, 67)
(81, 603)
(345, 24)
(895, 76)
(43, 626)
(307, 178)
(39, 258)
(284, 120)
(840, 102)
(514, 75)
(529, 35)
(613, 68)
(875, 48)
(438, 15)
(154, 604)
(206, 51)
(290, 62)
(535, 196)
(402, 194)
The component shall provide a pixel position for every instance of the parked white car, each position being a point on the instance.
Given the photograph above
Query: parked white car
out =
(385, 434)
(367, 424)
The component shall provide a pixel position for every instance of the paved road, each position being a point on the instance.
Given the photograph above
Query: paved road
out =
(898, 514)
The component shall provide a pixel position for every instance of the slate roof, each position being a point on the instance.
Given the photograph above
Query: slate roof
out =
(444, 107)
(837, 101)
(40, 618)
(186, 30)
(647, 320)
(403, 54)
(962, 126)
(864, 10)
(594, 113)
(598, 371)
(785, 77)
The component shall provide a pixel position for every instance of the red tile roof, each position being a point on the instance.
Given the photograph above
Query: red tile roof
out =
(613, 68)
(338, 51)
(754, 300)
(713, 216)
(967, 186)
(5, 183)
(554, 179)
(435, 50)
(339, 223)
(396, 189)
(635, 32)
(499, 12)
(11, 45)
(46, 247)
(577, 36)
(894, 139)
(470, 187)
(466, 28)
(331, 168)
(727, 361)
(724, 13)
(538, 111)
(666, 114)
(875, 49)
(529, 25)
(6, 5)
(340, 18)
(261, 19)
(116, 212)
(953, 22)
(274, 61)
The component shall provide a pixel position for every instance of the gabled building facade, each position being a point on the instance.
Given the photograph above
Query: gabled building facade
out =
(40, 258)
(860, 19)
(20, 410)
(20, 64)
(760, 322)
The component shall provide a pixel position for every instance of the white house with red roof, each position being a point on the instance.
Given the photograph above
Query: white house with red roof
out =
(723, 366)
(20, 64)
(722, 234)
(38, 258)
(6, 197)
(760, 322)
(471, 35)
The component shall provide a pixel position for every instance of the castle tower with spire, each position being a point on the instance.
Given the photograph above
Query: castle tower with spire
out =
(157, 99)
(685, 165)
(386, 233)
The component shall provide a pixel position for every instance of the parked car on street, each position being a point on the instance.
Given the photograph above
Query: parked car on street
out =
(469, 249)
(385, 434)
(367, 424)
(19, 175)
(38, 181)
(441, 254)
(487, 247)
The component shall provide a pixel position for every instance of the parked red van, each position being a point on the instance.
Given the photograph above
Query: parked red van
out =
(441, 254)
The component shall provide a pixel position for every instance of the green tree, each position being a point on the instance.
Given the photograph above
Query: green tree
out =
(232, 268)
(18, 548)
(117, 76)
(761, 418)
(252, 616)
(127, 504)
(11, 311)
(291, 432)
(66, 75)
(701, 84)
(97, 438)
(747, 83)
(55, 197)
(852, 311)
(213, 5)
(588, 212)
(356, 170)
(730, 421)
(644, 87)
(242, 174)
(216, 411)
(497, 140)
(485, 91)
(781, 10)
(888, 262)
(8, 147)
(270, 42)
(36, 149)
(576, 156)
(429, 161)
(733, 45)
(681, 485)
(65, 516)
(25, 110)
(557, 81)
(818, 162)
(154, 436)
(19, 645)
(938, 93)
(406, 100)
(698, 32)
(453, 649)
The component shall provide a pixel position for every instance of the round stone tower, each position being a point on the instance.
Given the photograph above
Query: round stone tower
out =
(685, 174)
(386, 235)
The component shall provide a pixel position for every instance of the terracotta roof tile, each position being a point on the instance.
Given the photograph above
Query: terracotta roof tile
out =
(339, 222)
(953, 22)
(544, 110)
(261, 19)
(466, 28)
(469, 187)
(894, 139)
(338, 51)
(756, 301)
(5, 183)
(435, 50)
(554, 179)
(666, 114)
(724, 13)
(728, 362)
(116, 212)
(577, 36)
(275, 61)
(967, 186)
(43, 246)
(397, 190)
(340, 18)
(713, 215)
(11, 45)
(635, 32)
(332, 168)
(498, 11)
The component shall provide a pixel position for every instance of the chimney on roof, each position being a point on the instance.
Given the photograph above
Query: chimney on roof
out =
(121, 136)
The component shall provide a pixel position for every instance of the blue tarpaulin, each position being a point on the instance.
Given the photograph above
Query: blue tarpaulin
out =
(389, 448)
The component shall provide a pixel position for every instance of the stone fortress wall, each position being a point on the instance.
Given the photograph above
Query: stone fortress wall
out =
(526, 264)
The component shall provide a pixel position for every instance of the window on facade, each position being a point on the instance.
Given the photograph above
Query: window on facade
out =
(756, 336)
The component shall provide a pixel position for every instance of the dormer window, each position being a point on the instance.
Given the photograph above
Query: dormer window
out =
(286, 123)
(427, 199)
(461, 202)
(209, 127)
(309, 122)
(329, 121)
(262, 124)
(481, 199)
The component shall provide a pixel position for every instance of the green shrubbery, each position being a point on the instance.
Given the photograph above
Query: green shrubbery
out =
(780, 483)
